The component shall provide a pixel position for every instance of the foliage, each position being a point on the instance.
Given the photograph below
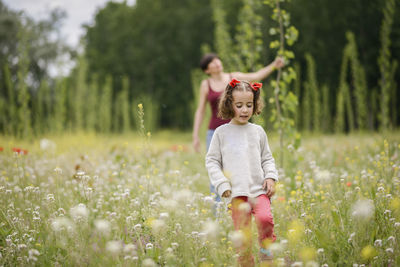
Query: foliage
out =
(222, 38)
(285, 101)
(248, 37)
(156, 54)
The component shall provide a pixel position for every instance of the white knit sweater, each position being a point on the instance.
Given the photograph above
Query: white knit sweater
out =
(239, 159)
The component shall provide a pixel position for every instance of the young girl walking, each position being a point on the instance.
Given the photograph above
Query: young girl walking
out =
(241, 167)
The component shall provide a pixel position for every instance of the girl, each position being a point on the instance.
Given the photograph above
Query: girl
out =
(211, 90)
(240, 166)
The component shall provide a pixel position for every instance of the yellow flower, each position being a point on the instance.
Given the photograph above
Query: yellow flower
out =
(307, 254)
(368, 252)
(140, 106)
(295, 232)
(149, 221)
(395, 204)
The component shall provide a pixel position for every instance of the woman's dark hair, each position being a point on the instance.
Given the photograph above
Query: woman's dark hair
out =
(225, 106)
(206, 59)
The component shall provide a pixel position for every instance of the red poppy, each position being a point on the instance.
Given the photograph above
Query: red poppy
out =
(348, 184)
(1, 148)
(20, 150)
(16, 149)
(256, 86)
(233, 82)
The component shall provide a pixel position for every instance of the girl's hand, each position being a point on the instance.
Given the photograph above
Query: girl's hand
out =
(196, 144)
(227, 193)
(269, 185)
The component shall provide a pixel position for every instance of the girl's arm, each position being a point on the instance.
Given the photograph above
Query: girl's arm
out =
(267, 160)
(199, 115)
(260, 74)
(214, 167)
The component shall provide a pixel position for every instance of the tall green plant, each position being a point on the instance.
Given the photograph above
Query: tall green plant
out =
(311, 86)
(60, 107)
(123, 105)
(393, 94)
(297, 91)
(355, 114)
(92, 105)
(384, 62)
(105, 106)
(359, 82)
(326, 111)
(79, 94)
(43, 109)
(248, 37)
(23, 97)
(11, 110)
(344, 110)
(285, 101)
(223, 41)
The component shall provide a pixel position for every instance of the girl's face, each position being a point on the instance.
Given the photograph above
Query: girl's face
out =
(215, 66)
(242, 106)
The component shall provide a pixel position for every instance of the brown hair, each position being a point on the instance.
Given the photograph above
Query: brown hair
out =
(225, 108)
(206, 59)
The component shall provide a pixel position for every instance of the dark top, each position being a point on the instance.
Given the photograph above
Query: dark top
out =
(213, 98)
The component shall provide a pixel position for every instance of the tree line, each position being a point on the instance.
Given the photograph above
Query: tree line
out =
(345, 65)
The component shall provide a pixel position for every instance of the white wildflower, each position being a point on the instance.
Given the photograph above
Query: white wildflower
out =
(47, 145)
(211, 230)
(149, 246)
(323, 176)
(244, 207)
(297, 264)
(237, 238)
(62, 223)
(158, 226)
(276, 247)
(103, 226)
(391, 239)
(130, 249)
(148, 263)
(114, 247)
(363, 209)
(79, 212)
(137, 227)
(378, 243)
(164, 215)
(312, 264)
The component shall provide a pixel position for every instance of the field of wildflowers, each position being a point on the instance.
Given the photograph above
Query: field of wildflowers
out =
(124, 201)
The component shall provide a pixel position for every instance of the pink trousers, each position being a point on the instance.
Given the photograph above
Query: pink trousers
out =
(242, 209)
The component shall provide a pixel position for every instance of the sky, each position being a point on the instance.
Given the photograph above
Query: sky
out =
(79, 12)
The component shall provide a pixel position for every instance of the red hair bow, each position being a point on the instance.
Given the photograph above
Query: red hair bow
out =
(234, 82)
(256, 86)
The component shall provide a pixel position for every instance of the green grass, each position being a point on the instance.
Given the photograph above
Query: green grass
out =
(127, 200)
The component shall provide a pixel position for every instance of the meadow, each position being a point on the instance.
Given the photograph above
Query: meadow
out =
(143, 200)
